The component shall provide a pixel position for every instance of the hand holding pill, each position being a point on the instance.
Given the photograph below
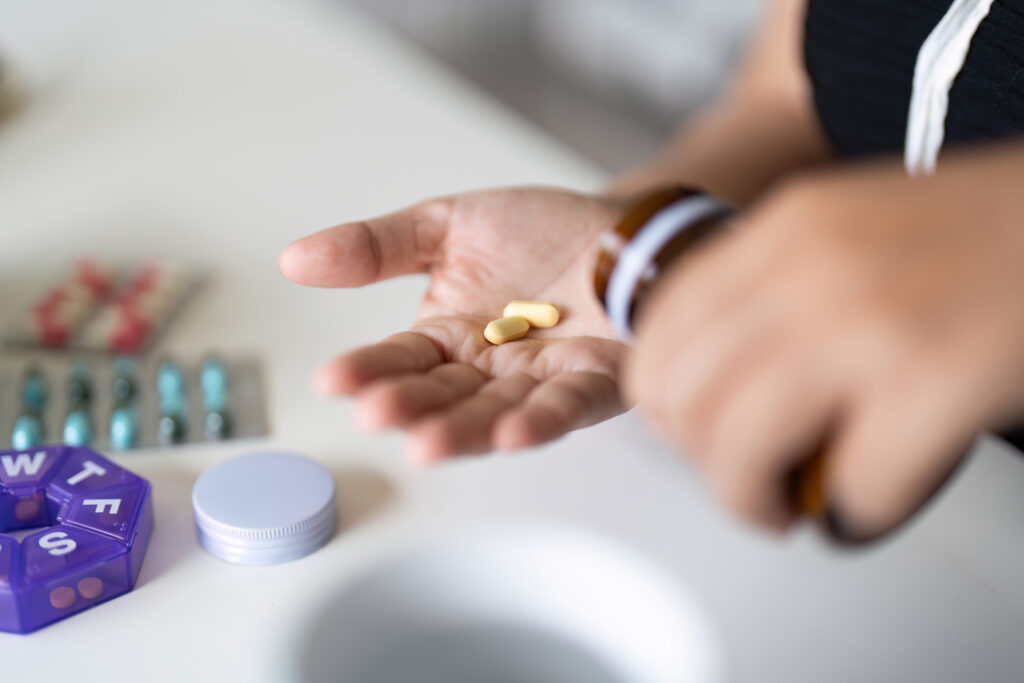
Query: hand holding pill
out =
(442, 381)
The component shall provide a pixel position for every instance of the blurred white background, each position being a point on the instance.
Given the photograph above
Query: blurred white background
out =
(216, 131)
(610, 78)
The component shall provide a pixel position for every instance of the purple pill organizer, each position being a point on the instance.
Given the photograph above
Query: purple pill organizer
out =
(97, 520)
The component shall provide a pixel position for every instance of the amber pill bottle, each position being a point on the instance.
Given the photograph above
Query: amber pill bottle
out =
(655, 231)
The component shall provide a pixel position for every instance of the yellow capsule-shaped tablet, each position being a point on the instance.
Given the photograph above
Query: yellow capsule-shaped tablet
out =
(537, 313)
(506, 329)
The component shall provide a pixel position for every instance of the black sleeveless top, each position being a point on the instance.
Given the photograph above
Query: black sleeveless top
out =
(860, 56)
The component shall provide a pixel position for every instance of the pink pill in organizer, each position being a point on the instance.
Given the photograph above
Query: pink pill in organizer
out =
(97, 520)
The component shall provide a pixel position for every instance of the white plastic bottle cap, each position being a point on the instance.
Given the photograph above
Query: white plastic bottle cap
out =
(264, 508)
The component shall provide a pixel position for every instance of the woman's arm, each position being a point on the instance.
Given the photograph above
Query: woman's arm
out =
(761, 128)
(451, 390)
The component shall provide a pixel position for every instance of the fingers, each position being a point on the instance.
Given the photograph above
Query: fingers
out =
(566, 402)
(398, 402)
(404, 352)
(356, 254)
(856, 334)
(454, 410)
(466, 427)
(889, 459)
(768, 425)
(746, 402)
(685, 384)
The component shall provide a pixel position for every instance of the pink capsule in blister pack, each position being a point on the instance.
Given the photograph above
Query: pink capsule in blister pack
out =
(97, 519)
(95, 306)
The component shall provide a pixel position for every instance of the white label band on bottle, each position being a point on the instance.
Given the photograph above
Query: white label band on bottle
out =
(641, 251)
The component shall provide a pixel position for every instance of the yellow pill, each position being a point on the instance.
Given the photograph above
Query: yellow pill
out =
(506, 329)
(537, 313)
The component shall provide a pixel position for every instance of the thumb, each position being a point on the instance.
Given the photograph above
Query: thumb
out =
(363, 252)
(891, 458)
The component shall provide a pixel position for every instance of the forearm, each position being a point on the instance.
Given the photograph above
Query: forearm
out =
(733, 150)
(762, 128)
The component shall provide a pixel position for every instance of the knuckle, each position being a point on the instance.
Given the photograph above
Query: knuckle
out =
(896, 345)
(430, 219)
(432, 213)
(437, 209)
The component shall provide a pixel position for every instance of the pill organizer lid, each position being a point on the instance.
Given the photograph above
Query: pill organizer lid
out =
(264, 508)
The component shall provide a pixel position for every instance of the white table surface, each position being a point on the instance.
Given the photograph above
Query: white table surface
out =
(219, 131)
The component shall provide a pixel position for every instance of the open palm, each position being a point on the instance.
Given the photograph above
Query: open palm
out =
(442, 381)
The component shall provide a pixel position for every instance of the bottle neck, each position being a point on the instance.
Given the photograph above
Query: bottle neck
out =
(652, 235)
